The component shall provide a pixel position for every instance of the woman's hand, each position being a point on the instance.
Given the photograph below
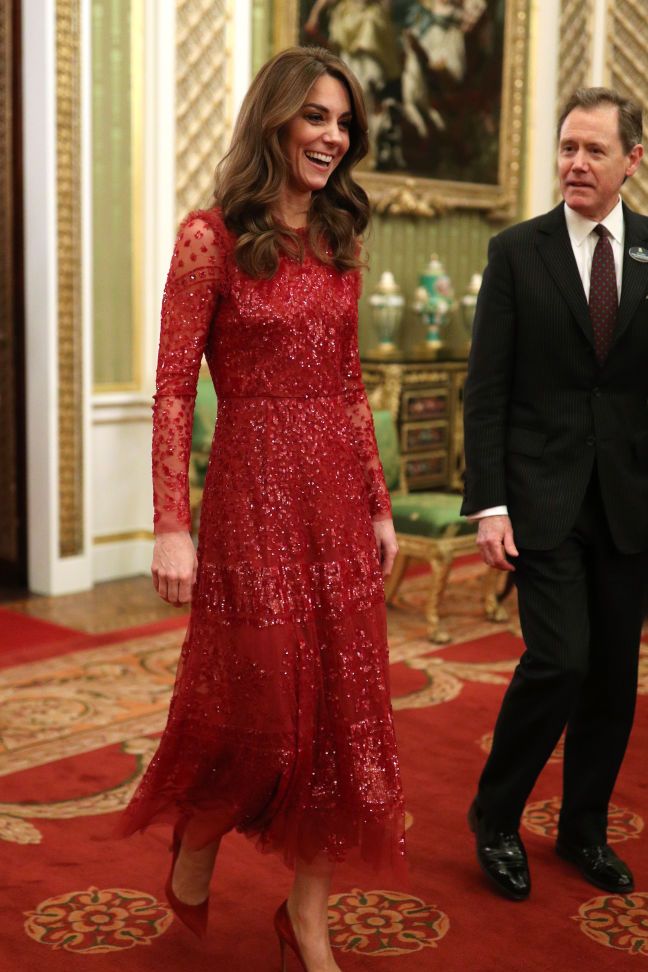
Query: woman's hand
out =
(386, 543)
(174, 567)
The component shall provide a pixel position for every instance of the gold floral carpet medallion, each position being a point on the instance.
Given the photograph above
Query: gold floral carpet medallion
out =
(96, 921)
(542, 818)
(617, 921)
(384, 923)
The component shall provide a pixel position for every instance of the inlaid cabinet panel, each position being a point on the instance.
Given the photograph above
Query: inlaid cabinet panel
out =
(426, 401)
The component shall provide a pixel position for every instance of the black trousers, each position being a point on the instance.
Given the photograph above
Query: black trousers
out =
(581, 615)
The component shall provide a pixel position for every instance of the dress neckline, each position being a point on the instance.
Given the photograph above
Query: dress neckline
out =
(294, 229)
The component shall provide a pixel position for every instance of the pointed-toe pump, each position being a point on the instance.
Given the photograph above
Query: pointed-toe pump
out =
(193, 916)
(286, 936)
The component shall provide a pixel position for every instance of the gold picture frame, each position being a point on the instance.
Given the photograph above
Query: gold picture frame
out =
(401, 193)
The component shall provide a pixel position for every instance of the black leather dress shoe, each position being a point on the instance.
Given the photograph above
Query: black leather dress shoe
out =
(599, 865)
(502, 858)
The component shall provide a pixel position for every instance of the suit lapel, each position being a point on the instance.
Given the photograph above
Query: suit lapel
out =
(634, 282)
(554, 246)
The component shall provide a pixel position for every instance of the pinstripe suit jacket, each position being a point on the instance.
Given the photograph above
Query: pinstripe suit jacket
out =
(539, 410)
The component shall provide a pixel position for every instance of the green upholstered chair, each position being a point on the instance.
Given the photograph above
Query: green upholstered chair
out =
(428, 526)
(201, 441)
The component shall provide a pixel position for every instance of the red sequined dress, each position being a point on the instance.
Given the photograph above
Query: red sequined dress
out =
(280, 723)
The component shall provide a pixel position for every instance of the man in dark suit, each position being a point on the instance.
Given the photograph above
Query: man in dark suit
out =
(556, 438)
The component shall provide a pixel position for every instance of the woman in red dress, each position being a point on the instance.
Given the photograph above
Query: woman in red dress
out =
(280, 724)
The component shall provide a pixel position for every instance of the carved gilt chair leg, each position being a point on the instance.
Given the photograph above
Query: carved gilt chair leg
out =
(440, 568)
(494, 610)
(393, 582)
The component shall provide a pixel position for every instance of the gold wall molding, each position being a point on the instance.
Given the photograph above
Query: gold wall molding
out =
(124, 536)
(143, 418)
(627, 67)
(70, 361)
(203, 92)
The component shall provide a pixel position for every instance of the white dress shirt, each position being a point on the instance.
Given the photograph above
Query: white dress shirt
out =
(583, 240)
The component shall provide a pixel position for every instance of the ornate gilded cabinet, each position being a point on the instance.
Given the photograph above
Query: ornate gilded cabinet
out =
(425, 399)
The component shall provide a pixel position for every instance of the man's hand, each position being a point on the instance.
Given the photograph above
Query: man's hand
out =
(495, 540)
(174, 567)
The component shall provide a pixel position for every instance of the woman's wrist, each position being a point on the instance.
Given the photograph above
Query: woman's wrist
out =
(180, 532)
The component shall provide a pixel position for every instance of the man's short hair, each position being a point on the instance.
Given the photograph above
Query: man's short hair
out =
(630, 117)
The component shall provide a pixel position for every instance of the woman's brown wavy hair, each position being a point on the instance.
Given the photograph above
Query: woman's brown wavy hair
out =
(250, 178)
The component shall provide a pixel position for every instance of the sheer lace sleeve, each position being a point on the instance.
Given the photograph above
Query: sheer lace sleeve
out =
(361, 420)
(190, 299)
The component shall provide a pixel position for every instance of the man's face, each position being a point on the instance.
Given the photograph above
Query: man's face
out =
(592, 162)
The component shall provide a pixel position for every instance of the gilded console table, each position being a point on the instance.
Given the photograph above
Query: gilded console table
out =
(425, 399)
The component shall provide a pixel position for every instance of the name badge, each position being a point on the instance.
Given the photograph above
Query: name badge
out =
(638, 253)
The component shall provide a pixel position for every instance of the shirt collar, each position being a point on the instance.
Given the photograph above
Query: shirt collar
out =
(579, 227)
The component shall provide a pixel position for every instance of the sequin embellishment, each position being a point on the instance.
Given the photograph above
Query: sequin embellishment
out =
(280, 723)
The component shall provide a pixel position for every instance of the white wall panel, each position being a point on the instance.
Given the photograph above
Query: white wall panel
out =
(121, 474)
(541, 142)
(122, 518)
(49, 573)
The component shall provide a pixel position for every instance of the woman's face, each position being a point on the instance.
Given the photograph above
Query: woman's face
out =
(316, 139)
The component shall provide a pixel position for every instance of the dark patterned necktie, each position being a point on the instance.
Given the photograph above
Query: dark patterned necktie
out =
(603, 299)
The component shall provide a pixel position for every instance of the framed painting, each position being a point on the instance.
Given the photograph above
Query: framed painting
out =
(444, 82)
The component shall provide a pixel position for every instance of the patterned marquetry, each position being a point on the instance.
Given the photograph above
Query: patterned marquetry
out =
(627, 46)
(575, 53)
(202, 98)
(425, 400)
(70, 364)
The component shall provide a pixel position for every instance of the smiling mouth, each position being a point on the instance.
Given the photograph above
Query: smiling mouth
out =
(320, 159)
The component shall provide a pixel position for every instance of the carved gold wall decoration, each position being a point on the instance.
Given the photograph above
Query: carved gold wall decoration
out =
(202, 98)
(399, 195)
(68, 181)
(575, 52)
(627, 47)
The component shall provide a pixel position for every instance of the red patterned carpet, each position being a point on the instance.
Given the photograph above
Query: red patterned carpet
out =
(79, 714)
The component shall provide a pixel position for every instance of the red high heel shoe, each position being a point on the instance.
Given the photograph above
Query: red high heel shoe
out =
(286, 936)
(193, 916)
